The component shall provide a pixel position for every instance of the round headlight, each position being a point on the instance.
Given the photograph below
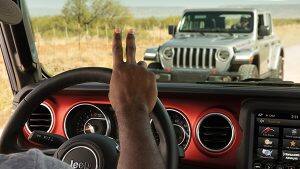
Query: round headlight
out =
(168, 53)
(223, 55)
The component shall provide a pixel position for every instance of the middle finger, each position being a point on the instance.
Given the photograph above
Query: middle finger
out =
(130, 47)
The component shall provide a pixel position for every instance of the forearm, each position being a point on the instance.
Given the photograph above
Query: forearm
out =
(135, 135)
(133, 95)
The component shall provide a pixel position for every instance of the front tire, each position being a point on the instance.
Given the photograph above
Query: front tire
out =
(248, 71)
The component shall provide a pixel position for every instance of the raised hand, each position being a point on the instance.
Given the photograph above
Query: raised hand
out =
(133, 95)
(132, 86)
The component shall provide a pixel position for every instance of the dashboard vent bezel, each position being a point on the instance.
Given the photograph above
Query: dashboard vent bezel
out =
(50, 111)
(170, 110)
(231, 137)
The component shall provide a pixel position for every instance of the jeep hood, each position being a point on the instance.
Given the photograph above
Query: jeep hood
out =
(209, 41)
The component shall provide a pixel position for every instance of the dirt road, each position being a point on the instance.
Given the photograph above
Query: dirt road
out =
(292, 63)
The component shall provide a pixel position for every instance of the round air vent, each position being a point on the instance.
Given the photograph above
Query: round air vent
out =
(41, 119)
(215, 132)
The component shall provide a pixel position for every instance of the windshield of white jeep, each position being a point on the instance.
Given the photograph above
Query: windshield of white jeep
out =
(220, 22)
(201, 41)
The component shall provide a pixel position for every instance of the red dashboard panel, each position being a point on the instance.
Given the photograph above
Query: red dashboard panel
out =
(194, 107)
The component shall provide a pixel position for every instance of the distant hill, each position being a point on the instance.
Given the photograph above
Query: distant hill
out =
(35, 12)
(278, 11)
(281, 11)
(143, 12)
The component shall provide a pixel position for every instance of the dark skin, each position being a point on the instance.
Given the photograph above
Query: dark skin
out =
(133, 94)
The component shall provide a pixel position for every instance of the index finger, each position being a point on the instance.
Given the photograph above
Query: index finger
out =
(117, 48)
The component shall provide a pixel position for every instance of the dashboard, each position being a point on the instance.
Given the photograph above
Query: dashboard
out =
(215, 127)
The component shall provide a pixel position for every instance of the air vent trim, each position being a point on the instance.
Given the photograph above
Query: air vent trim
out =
(170, 110)
(232, 132)
(52, 119)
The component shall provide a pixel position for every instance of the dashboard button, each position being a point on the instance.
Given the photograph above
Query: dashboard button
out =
(267, 142)
(257, 166)
(291, 144)
(267, 153)
(291, 155)
(291, 133)
(268, 131)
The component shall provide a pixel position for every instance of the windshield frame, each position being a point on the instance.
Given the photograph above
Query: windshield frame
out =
(251, 13)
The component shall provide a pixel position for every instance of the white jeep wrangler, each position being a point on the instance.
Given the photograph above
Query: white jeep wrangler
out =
(219, 44)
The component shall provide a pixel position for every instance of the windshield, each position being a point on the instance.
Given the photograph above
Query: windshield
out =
(233, 22)
(245, 41)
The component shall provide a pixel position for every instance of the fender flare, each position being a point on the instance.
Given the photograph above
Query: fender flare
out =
(278, 52)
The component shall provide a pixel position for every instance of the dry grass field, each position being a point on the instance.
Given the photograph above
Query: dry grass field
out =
(92, 51)
(5, 94)
(289, 34)
(58, 55)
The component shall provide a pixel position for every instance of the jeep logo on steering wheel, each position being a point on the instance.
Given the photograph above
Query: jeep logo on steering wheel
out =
(81, 157)
(80, 165)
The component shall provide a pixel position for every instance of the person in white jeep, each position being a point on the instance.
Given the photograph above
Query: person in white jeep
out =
(243, 25)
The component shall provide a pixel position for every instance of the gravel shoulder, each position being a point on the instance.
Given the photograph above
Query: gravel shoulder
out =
(292, 63)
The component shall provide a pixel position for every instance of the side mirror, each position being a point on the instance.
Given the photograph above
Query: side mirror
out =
(264, 31)
(172, 30)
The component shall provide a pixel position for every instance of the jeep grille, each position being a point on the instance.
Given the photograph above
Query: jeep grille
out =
(194, 58)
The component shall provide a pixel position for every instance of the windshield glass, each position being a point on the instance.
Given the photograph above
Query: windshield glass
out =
(241, 41)
(233, 22)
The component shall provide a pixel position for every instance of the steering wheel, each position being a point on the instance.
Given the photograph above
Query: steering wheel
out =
(91, 150)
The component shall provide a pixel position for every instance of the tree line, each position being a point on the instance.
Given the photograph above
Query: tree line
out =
(56, 25)
(94, 18)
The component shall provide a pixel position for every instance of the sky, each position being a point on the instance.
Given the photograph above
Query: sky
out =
(165, 3)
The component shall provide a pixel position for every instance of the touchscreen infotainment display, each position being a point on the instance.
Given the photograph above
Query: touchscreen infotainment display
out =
(277, 140)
